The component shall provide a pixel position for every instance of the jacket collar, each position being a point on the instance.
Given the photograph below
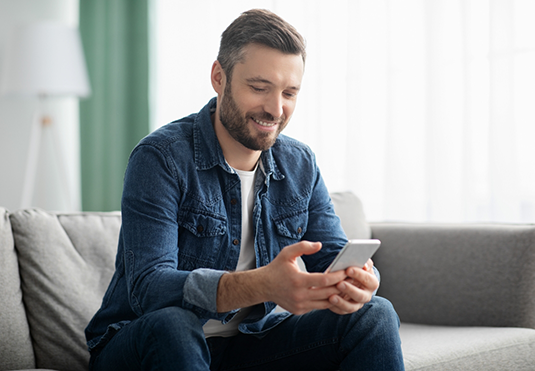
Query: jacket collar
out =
(208, 152)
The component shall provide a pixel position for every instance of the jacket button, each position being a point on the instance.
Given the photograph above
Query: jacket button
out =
(233, 201)
(235, 242)
(299, 230)
(200, 228)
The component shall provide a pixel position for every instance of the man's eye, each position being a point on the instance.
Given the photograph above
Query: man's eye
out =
(257, 89)
(290, 95)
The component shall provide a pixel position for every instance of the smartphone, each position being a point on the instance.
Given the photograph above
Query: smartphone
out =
(354, 254)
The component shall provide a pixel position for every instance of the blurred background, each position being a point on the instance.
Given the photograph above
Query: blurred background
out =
(424, 108)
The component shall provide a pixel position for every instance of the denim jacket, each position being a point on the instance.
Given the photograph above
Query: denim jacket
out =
(181, 224)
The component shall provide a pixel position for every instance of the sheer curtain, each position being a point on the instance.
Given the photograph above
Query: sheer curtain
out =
(425, 109)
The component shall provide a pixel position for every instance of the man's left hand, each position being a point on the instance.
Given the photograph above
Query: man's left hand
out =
(356, 290)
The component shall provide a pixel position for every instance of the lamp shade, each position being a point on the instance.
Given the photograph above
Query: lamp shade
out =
(45, 59)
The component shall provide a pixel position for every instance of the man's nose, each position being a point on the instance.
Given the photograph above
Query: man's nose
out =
(274, 105)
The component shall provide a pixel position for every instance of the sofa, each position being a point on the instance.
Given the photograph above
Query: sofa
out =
(465, 293)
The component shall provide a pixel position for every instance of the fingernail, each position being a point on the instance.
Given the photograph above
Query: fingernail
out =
(334, 300)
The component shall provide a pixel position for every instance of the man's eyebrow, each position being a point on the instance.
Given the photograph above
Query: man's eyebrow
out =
(261, 80)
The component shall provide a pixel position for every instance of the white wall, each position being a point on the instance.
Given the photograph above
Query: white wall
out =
(16, 116)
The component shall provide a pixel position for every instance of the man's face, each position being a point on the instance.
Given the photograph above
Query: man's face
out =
(259, 101)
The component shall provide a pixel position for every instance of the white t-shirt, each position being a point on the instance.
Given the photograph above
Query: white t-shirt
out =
(247, 259)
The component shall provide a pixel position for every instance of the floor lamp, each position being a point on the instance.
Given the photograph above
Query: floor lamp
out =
(44, 60)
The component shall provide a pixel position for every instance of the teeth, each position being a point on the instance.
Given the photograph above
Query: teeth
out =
(262, 123)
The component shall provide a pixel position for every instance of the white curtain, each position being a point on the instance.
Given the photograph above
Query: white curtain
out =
(424, 108)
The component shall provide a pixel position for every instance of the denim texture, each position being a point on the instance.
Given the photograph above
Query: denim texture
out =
(181, 225)
(320, 340)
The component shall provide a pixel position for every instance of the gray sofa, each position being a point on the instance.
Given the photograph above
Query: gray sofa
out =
(465, 293)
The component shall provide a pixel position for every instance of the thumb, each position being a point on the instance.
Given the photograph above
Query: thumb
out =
(302, 248)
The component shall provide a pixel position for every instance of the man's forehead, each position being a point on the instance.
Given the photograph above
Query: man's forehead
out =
(253, 48)
(262, 64)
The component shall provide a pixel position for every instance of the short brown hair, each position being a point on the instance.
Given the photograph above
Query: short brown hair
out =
(261, 27)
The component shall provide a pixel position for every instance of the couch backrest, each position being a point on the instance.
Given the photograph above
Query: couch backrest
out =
(15, 346)
(458, 274)
(66, 262)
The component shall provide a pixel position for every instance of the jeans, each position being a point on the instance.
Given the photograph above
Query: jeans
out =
(172, 339)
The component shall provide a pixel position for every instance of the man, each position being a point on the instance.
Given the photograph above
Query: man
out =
(216, 209)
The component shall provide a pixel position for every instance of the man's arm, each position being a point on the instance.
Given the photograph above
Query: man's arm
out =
(150, 235)
(299, 292)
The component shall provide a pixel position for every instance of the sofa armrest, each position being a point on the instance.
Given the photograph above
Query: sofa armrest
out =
(458, 274)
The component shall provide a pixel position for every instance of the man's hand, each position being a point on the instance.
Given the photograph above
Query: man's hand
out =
(282, 282)
(296, 291)
(356, 290)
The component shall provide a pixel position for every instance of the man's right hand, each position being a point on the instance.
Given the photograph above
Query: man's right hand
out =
(281, 282)
(294, 290)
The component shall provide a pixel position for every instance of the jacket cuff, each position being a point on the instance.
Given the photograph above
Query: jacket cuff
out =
(200, 289)
(378, 275)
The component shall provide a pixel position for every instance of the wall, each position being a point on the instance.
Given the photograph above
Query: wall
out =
(57, 185)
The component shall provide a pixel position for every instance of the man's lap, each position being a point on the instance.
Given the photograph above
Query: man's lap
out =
(313, 341)
(319, 340)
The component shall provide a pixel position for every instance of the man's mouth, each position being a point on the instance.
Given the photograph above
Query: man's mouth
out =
(263, 123)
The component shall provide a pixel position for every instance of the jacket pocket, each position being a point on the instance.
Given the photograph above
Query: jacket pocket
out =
(201, 237)
(202, 224)
(293, 225)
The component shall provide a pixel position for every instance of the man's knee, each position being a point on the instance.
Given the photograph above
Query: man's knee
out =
(170, 337)
(382, 311)
(174, 324)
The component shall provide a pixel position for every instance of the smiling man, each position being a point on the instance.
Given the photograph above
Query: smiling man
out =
(217, 207)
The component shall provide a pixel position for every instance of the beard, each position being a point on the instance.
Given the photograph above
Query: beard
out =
(236, 123)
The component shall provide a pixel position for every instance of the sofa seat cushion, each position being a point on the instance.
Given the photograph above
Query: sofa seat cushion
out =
(427, 348)
(66, 262)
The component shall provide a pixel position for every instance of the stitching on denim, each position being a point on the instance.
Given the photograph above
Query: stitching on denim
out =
(129, 263)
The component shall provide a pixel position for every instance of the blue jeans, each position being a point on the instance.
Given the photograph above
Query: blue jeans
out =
(319, 340)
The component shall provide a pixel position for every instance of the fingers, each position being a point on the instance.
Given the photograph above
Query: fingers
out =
(300, 248)
(342, 306)
(324, 279)
(355, 291)
(294, 290)
(299, 292)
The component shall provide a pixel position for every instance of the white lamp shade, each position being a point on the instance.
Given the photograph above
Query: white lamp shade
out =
(45, 59)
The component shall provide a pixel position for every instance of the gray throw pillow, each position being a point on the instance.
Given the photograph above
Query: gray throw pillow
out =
(16, 346)
(66, 262)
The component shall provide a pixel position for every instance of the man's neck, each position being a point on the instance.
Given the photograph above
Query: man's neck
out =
(244, 164)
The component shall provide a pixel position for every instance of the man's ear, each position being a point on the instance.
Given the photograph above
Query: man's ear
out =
(218, 78)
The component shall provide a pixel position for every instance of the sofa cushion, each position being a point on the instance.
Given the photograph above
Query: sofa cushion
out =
(427, 348)
(16, 347)
(66, 262)
(349, 208)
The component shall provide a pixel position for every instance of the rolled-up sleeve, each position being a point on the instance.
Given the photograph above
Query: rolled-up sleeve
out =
(200, 289)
